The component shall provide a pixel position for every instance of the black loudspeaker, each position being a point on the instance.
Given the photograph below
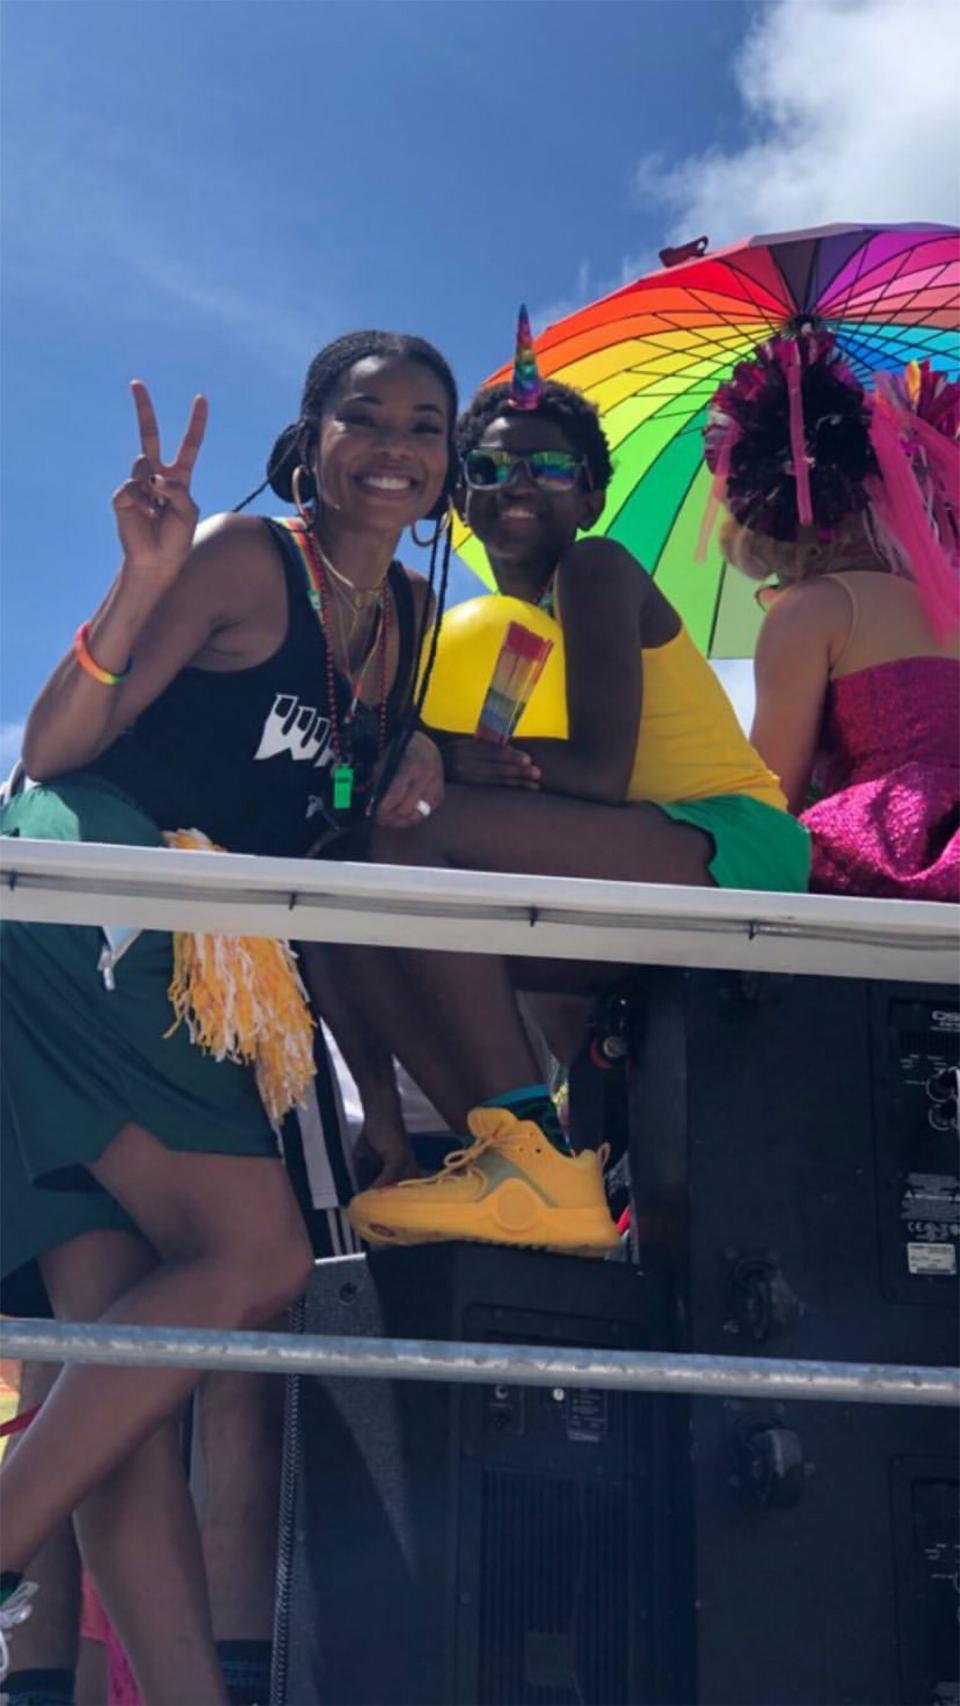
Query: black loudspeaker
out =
(445, 1543)
(793, 1152)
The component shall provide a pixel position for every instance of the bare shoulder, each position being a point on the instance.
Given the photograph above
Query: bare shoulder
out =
(811, 609)
(598, 556)
(600, 580)
(801, 627)
(233, 566)
(227, 539)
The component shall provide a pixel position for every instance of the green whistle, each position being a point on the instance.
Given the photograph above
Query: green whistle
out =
(342, 776)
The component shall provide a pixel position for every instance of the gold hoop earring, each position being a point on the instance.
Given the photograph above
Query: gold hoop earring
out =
(307, 511)
(438, 532)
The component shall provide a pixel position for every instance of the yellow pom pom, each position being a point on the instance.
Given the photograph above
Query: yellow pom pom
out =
(242, 999)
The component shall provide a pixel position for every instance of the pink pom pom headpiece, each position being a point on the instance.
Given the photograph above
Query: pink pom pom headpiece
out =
(915, 496)
(793, 441)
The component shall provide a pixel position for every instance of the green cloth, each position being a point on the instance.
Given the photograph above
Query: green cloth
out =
(80, 1061)
(755, 845)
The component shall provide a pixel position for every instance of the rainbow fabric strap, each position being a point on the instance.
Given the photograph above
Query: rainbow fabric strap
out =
(526, 386)
(298, 535)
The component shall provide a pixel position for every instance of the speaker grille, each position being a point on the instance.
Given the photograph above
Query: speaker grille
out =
(554, 1583)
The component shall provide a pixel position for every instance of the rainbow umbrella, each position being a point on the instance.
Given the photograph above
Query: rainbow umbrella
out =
(651, 356)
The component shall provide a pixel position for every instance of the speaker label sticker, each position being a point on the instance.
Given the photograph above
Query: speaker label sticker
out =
(932, 1258)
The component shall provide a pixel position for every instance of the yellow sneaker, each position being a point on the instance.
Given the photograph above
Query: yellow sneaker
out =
(509, 1187)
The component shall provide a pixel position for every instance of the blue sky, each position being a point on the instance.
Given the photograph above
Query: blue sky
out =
(202, 192)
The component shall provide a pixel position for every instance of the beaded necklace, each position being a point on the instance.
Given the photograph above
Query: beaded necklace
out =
(343, 774)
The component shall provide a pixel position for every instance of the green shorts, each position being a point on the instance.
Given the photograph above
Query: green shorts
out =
(756, 846)
(80, 1061)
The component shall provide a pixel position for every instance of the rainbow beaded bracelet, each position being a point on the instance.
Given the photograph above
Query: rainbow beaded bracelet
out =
(87, 661)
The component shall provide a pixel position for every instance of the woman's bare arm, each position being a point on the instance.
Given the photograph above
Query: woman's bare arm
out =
(164, 605)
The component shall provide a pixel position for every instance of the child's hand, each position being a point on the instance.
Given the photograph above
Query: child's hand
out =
(481, 763)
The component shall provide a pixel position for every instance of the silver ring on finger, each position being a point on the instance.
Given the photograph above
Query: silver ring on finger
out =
(424, 808)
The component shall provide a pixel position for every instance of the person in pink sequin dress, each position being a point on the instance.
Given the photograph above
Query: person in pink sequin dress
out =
(855, 696)
(858, 662)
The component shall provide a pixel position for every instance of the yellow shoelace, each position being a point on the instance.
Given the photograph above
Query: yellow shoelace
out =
(462, 1161)
(458, 1161)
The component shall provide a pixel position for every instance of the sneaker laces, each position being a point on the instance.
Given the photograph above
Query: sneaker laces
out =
(14, 1610)
(459, 1161)
(463, 1161)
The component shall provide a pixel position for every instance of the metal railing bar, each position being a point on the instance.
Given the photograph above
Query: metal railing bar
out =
(516, 913)
(470, 1364)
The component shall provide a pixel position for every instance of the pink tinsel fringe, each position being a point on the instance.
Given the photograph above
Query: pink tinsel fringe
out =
(717, 489)
(898, 506)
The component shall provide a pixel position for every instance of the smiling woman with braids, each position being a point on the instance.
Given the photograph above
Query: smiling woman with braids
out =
(249, 682)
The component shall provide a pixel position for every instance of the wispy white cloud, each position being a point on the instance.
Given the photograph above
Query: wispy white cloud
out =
(567, 302)
(851, 109)
(78, 215)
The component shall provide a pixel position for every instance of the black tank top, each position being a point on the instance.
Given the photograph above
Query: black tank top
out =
(245, 755)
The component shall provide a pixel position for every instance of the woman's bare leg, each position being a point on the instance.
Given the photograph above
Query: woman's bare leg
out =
(564, 1020)
(506, 829)
(333, 981)
(233, 1252)
(452, 1018)
(137, 1529)
(454, 1050)
(241, 1428)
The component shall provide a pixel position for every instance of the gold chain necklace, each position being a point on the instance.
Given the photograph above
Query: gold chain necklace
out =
(366, 650)
(358, 598)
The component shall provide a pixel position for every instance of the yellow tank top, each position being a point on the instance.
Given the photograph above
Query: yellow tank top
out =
(689, 743)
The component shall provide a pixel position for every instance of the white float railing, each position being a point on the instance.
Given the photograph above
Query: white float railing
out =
(479, 912)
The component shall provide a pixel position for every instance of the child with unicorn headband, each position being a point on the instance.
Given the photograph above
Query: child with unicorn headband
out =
(644, 776)
(847, 508)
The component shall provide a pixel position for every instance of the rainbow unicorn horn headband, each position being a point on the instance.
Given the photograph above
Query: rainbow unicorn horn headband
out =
(526, 386)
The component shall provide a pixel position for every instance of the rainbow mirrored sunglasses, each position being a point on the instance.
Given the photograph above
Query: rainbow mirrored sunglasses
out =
(550, 470)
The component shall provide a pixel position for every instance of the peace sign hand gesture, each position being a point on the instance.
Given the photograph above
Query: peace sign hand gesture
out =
(156, 516)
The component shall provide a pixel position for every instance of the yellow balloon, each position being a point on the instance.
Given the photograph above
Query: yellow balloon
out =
(471, 635)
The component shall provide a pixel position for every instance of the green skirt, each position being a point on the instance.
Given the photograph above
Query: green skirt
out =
(80, 1061)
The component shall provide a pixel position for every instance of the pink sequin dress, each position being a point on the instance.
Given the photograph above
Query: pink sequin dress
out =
(888, 767)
